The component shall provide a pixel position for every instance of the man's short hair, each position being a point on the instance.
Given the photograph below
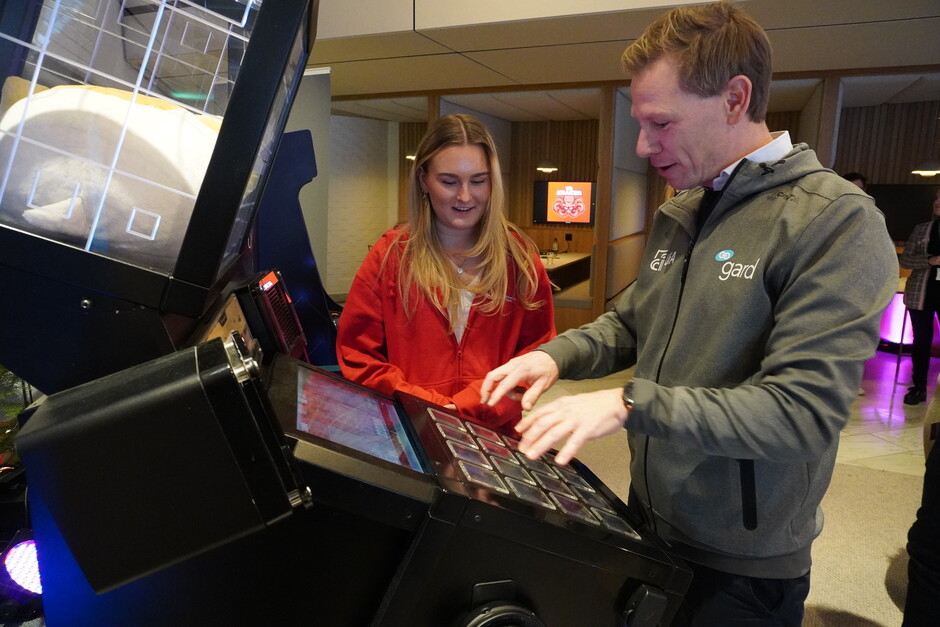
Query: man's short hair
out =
(711, 44)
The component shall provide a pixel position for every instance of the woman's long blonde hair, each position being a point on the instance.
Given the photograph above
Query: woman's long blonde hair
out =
(425, 265)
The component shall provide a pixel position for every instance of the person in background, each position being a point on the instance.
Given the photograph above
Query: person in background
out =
(455, 291)
(922, 298)
(757, 302)
(923, 538)
(857, 179)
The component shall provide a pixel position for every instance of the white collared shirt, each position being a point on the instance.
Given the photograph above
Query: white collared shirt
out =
(779, 147)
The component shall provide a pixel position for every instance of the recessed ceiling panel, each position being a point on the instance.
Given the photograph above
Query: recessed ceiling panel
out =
(574, 29)
(924, 89)
(411, 74)
(534, 106)
(867, 91)
(437, 14)
(791, 95)
(587, 102)
(351, 18)
(900, 43)
(407, 44)
(391, 109)
(557, 64)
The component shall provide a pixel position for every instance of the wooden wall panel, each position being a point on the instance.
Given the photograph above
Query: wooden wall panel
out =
(573, 148)
(884, 142)
(785, 121)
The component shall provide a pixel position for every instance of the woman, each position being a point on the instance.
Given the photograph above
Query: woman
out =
(922, 297)
(455, 291)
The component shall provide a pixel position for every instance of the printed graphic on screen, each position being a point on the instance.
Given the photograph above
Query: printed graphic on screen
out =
(569, 202)
(347, 415)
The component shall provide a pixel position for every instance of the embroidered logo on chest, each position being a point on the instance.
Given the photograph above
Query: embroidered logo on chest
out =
(732, 269)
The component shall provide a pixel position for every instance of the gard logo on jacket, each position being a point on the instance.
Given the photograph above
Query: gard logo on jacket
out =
(733, 270)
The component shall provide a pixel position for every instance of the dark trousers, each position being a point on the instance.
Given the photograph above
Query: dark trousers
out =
(923, 547)
(922, 328)
(719, 598)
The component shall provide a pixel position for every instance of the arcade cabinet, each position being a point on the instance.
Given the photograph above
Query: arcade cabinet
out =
(136, 139)
(410, 514)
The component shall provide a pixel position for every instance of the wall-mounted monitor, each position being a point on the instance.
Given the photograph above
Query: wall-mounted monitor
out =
(566, 202)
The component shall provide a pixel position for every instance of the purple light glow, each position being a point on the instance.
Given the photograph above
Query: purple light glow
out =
(22, 565)
(893, 321)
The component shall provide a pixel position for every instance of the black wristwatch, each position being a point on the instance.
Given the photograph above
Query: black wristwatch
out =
(628, 395)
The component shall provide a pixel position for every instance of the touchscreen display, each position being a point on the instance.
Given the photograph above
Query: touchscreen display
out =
(344, 414)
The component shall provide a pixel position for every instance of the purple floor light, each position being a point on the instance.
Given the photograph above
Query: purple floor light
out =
(23, 567)
(894, 321)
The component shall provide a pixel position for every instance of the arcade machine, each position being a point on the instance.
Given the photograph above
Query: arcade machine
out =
(136, 138)
(179, 476)
(410, 515)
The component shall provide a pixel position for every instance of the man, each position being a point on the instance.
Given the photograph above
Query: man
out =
(757, 303)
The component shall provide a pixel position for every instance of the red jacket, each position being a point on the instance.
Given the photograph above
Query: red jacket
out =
(382, 347)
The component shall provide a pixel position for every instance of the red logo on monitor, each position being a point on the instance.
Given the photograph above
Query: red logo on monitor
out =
(569, 202)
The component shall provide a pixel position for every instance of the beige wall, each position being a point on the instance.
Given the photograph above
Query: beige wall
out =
(360, 189)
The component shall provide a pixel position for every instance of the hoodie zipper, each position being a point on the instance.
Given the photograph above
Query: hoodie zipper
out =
(745, 466)
(659, 368)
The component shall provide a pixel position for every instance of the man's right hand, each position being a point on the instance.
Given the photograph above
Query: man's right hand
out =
(535, 371)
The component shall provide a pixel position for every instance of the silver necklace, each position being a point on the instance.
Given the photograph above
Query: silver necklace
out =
(458, 266)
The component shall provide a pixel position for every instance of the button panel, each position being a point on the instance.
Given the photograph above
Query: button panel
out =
(493, 461)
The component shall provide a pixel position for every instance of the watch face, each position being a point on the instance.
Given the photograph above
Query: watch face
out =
(628, 395)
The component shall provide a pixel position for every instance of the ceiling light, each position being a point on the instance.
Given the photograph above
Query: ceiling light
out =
(546, 166)
(927, 168)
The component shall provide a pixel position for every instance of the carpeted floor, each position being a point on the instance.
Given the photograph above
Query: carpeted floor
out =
(860, 561)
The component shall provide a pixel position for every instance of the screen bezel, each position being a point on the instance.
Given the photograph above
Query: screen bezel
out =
(282, 391)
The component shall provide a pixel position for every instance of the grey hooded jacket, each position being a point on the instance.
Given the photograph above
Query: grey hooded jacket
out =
(748, 342)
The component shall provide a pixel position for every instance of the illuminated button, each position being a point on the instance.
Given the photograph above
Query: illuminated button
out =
(447, 419)
(484, 432)
(482, 476)
(593, 498)
(453, 434)
(512, 443)
(495, 449)
(469, 454)
(513, 470)
(553, 483)
(573, 477)
(574, 508)
(535, 464)
(529, 493)
(616, 523)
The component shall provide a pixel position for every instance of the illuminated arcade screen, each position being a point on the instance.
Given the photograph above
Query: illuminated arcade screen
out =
(350, 416)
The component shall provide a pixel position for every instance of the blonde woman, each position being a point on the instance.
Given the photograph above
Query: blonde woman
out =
(455, 291)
